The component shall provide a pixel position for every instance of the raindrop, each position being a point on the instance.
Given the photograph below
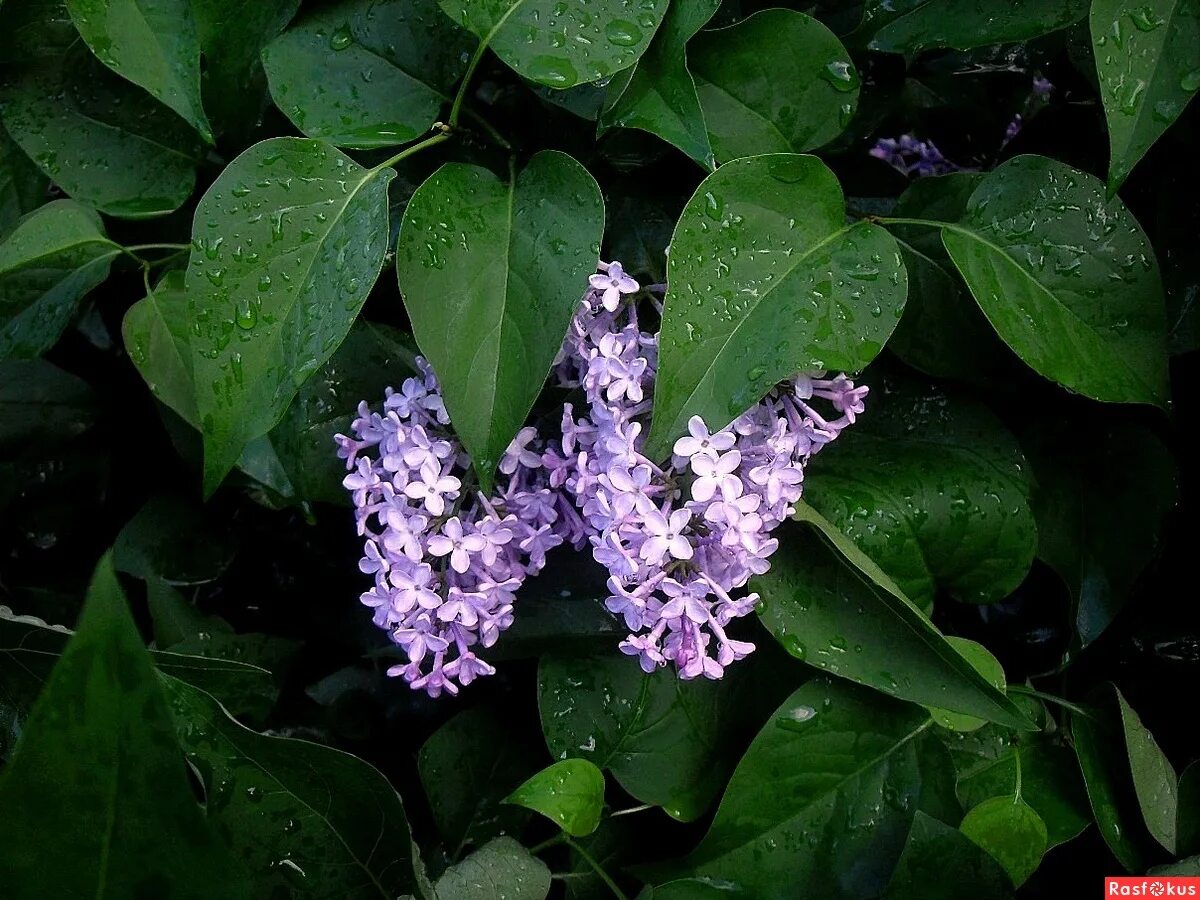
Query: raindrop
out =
(341, 38)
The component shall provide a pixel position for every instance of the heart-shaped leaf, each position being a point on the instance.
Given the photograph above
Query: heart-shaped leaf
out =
(938, 860)
(658, 95)
(499, 269)
(933, 488)
(561, 43)
(293, 811)
(287, 243)
(152, 43)
(803, 98)
(98, 137)
(1067, 278)
(52, 258)
(98, 766)
(765, 279)
(786, 825)
(569, 793)
(1148, 60)
(499, 870)
(836, 610)
(364, 73)
(1011, 832)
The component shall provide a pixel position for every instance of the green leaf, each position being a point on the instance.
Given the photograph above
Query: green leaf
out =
(693, 889)
(1189, 866)
(99, 138)
(1103, 493)
(232, 35)
(467, 767)
(98, 767)
(561, 43)
(988, 762)
(1098, 741)
(29, 648)
(926, 24)
(831, 756)
(54, 256)
(659, 94)
(1148, 62)
(1154, 778)
(939, 861)
(765, 278)
(1067, 278)
(933, 487)
(802, 98)
(372, 358)
(1009, 830)
(41, 405)
(1187, 822)
(987, 666)
(665, 740)
(22, 185)
(365, 73)
(828, 604)
(171, 539)
(152, 43)
(497, 268)
(156, 335)
(500, 870)
(570, 793)
(298, 815)
(288, 241)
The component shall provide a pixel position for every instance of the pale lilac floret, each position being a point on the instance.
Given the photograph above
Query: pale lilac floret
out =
(612, 282)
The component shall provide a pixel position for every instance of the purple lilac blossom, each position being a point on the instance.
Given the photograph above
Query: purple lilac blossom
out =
(913, 157)
(446, 561)
(680, 541)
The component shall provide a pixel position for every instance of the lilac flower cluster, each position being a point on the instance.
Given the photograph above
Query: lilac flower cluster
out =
(446, 560)
(913, 157)
(681, 540)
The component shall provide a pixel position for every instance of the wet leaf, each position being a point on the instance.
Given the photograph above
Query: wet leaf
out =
(152, 43)
(569, 793)
(22, 185)
(933, 487)
(1154, 777)
(467, 767)
(1011, 832)
(287, 243)
(296, 814)
(986, 665)
(172, 539)
(1187, 823)
(98, 766)
(498, 268)
(803, 98)
(658, 94)
(834, 608)
(926, 24)
(155, 331)
(662, 738)
(1067, 278)
(765, 279)
(821, 803)
(988, 762)
(500, 870)
(98, 137)
(939, 860)
(364, 73)
(54, 256)
(561, 43)
(1148, 61)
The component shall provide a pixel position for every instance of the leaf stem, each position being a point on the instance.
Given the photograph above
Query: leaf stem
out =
(596, 867)
(443, 134)
(456, 106)
(1049, 698)
(136, 247)
(632, 809)
(559, 838)
(489, 128)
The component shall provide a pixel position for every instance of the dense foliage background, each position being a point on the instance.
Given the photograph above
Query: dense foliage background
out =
(193, 301)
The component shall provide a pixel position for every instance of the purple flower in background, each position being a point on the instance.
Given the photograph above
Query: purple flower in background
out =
(913, 157)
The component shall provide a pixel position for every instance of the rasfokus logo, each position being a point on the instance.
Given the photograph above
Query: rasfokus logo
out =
(1150, 886)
